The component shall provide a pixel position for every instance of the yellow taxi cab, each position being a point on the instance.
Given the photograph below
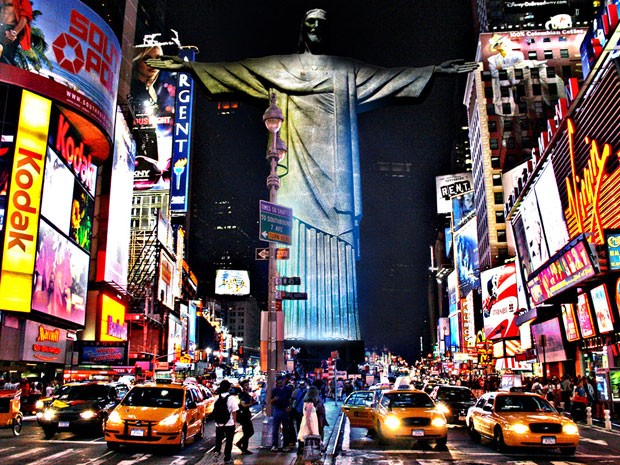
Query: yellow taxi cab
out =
(409, 414)
(158, 414)
(358, 407)
(521, 419)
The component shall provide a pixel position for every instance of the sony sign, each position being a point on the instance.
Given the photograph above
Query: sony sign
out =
(24, 201)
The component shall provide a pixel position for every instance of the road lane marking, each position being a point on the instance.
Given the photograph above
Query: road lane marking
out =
(49, 458)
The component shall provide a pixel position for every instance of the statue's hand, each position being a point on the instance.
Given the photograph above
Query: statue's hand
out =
(167, 62)
(456, 67)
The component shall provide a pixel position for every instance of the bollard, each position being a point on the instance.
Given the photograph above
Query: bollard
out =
(266, 438)
(589, 416)
(607, 419)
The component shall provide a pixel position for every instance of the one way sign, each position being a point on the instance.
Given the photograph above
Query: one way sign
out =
(262, 254)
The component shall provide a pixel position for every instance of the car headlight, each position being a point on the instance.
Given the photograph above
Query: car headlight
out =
(570, 428)
(392, 422)
(88, 414)
(169, 420)
(519, 428)
(39, 405)
(438, 422)
(114, 419)
(443, 408)
(48, 415)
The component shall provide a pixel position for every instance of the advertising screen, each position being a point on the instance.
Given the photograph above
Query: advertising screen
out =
(119, 214)
(61, 276)
(534, 233)
(463, 209)
(550, 205)
(584, 316)
(112, 325)
(499, 302)
(82, 207)
(602, 309)
(553, 350)
(44, 343)
(102, 353)
(57, 192)
(232, 282)
(448, 186)
(570, 323)
(72, 46)
(466, 257)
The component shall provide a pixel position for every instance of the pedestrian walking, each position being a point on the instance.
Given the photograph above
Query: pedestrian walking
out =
(225, 423)
(280, 403)
(310, 421)
(244, 416)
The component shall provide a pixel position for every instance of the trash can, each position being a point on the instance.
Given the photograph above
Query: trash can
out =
(266, 438)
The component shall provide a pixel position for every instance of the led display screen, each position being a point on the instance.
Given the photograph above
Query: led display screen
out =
(60, 277)
(553, 350)
(602, 309)
(499, 302)
(57, 192)
(570, 323)
(584, 316)
(466, 257)
(232, 282)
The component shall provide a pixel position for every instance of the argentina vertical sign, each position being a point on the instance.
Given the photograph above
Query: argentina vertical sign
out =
(181, 138)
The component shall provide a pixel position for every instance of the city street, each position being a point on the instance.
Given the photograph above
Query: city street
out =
(345, 446)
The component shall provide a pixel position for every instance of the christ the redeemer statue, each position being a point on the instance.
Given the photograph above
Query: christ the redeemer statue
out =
(320, 96)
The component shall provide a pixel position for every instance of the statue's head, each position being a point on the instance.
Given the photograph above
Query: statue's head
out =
(313, 34)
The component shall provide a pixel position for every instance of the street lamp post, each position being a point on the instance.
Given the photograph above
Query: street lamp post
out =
(273, 120)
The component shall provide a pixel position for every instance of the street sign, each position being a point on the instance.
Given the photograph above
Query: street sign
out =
(262, 254)
(284, 295)
(276, 223)
(284, 281)
(282, 253)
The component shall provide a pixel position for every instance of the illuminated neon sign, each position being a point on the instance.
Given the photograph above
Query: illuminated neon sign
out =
(113, 326)
(585, 188)
(24, 203)
(569, 268)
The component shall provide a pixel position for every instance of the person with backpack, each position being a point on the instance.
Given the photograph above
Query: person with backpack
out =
(244, 417)
(225, 415)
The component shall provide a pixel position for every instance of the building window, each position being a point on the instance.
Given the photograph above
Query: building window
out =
(504, 91)
(503, 74)
(490, 109)
(564, 53)
(550, 72)
(495, 162)
(548, 54)
(498, 198)
(488, 92)
(538, 108)
(518, 73)
(536, 89)
(499, 217)
(535, 73)
(493, 143)
(510, 142)
(522, 107)
(486, 76)
(492, 126)
(506, 108)
(532, 55)
(508, 125)
(546, 40)
(501, 235)
(497, 179)
(553, 89)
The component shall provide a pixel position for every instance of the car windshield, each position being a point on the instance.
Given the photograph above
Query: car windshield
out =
(522, 404)
(154, 397)
(406, 399)
(455, 395)
(85, 392)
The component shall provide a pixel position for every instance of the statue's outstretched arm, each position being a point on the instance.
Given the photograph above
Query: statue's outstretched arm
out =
(167, 62)
(456, 67)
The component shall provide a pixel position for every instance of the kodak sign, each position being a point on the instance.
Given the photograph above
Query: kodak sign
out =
(23, 204)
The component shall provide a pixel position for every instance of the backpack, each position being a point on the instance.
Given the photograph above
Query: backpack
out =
(221, 414)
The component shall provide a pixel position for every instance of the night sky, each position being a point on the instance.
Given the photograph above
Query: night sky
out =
(399, 213)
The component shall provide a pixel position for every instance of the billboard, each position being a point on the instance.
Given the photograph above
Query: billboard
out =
(463, 209)
(24, 203)
(102, 353)
(549, 348)
(232, 282)
(570, 323)
(112, 326)
(74, 47)
(60, 282)
(602, 309)
(584, 316)
(448, 186)
(116, 261)
(466, 257)
(500, 302)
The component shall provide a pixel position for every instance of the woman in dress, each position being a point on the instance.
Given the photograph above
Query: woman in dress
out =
(309, 421)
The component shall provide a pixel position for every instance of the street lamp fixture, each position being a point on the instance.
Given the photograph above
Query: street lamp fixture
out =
(273, 120)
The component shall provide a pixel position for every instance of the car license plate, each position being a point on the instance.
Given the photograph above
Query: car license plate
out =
(548, 439)
(417, 432)
(63, 424)
(461, 418)
(136, 432)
